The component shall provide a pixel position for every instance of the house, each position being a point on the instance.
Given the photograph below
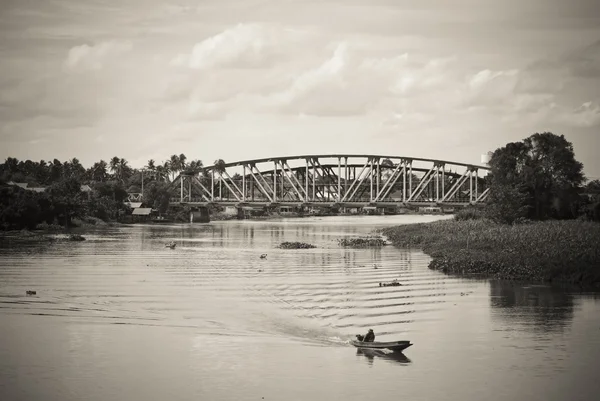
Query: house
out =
(86, 189)
(133, 205)
(141, 214)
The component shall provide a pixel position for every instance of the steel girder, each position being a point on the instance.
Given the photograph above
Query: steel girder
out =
(341, 179)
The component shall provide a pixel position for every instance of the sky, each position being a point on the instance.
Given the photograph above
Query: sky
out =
(246, 79)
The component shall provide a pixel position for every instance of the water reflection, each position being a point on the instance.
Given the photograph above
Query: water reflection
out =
(535, 307)
(370, 355)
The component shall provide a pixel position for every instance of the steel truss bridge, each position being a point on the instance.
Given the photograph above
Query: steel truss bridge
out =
(335, 180)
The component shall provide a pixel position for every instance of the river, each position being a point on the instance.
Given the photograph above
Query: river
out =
(121, 317)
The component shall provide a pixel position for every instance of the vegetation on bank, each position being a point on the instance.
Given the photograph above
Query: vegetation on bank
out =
(549, 251)
(539, 224)
(55, 193)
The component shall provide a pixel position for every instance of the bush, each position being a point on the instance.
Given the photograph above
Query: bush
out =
(49, 227)
(469, 213)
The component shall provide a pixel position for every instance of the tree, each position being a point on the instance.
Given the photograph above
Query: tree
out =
(56, 170)
(157, 195)
(98, 172)
(174, 166)
(219, 167)
(164, 170)
(593, 188)
(67, 199)
(74, 169)
(194, 167)
(114, 165)
(544, 173)
(19, 208)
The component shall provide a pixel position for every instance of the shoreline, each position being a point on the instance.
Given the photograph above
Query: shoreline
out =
(565, 251)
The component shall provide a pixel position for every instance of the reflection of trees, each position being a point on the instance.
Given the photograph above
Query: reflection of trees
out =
(548, 308)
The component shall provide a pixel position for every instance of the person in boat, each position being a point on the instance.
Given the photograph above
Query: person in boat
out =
(370, 337)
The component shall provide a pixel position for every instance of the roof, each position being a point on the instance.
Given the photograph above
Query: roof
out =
(18, 184)
(24, 185)
(142, 211)
(134, 204)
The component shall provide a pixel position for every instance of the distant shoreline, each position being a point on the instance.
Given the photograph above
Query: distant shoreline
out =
(549, 251)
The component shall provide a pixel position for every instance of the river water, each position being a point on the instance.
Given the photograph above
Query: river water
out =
(122, 317)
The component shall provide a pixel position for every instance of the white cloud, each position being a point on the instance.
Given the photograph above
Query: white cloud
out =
(329, 73)
(244, 46)
(86, 57)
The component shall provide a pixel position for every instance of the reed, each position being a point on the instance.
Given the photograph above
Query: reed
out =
(562, 251)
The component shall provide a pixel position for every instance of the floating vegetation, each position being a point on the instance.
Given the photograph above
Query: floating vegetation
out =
(562, 251)
(362, 242)
(393, 283)
(295, 245)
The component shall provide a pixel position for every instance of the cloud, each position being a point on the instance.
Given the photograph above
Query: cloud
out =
(350, 83)
(586, 115)
(248, 45)
(94, 57)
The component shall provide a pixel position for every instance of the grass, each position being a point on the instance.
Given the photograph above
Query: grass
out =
(560, 251)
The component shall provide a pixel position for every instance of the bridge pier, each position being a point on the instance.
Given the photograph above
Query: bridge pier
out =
(199, 214)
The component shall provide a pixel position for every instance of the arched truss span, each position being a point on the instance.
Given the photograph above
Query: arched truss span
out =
(348, 180)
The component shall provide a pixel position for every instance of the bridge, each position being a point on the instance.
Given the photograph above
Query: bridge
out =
(342, 180)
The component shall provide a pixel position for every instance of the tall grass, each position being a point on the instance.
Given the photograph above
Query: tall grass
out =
(566, 251)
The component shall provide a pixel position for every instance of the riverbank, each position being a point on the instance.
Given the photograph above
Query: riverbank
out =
(549, 251)
(54, 232)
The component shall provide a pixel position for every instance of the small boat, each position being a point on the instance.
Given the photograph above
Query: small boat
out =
(171, 245)
(397, 346)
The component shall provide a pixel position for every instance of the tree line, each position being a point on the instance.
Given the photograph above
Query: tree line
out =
(537, 178)
(60, 197)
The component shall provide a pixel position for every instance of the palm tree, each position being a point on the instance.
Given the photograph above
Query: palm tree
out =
(166, 169)
(194, 167)
(114, 165)
(219, 167)
(98, 171)
(175, 165)
(77, 170)
(124, 170)
(150, 167)
(160, 172)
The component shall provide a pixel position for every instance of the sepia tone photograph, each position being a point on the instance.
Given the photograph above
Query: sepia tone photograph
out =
(295, 200)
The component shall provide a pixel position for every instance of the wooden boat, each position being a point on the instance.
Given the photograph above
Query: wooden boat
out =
(397, 346)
